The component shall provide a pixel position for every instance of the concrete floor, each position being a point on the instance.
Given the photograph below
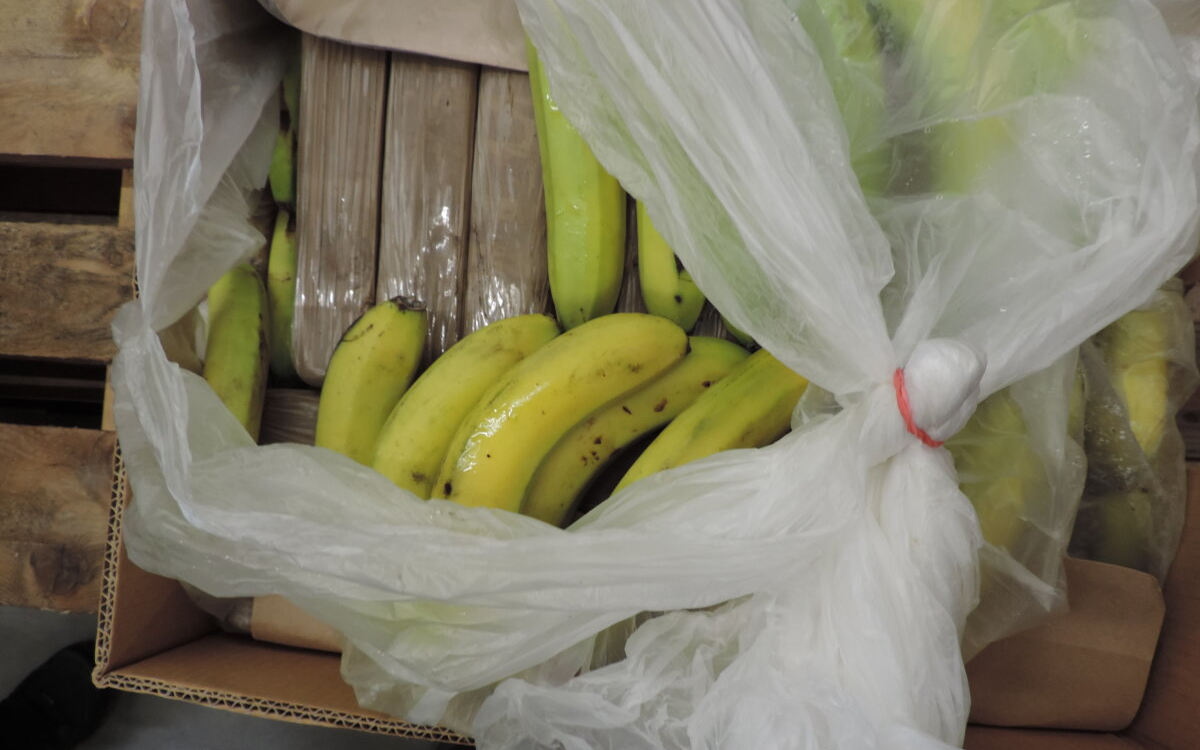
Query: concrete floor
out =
(141, 722)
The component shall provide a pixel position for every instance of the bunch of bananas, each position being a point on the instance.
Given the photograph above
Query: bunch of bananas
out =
(521, 417)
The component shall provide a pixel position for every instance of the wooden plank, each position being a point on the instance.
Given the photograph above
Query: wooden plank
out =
(506, 258)
(60, 287)
(69, 78)
(55, 489)
(125, 202)
(426, 182)
(339, 151)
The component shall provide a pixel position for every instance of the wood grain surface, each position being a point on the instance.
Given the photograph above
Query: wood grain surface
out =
(55, 489)
(506, 260)
(69, 78)
(426, 186)
(339, 155)
(60, 286)
(289, 416)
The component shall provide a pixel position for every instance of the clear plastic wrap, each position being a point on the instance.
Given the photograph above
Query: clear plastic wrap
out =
(339, 150)
(506, 267)
(1138, 372)
(813, 593)
(424, 216)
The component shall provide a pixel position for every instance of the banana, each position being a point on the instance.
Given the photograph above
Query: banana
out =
(1042, 46)
(501, 442)
(585, 450)
(998, 470)
(749, 408)
(281, 291)
(738, 334)
(235, 358)
(847, 40)
(1136, 351)
(585, 214)
(282, 174)
(1125, 525)
(370, 369)
(667, 289)
(417, 434)
(1130, 415)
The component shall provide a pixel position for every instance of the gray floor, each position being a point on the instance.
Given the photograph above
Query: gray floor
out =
(141, 722)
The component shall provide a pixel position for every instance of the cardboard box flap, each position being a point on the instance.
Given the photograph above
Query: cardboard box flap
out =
(276, 620)
(487, 32)
(1084, 669)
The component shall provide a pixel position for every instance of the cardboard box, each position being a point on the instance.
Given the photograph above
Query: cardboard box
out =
(152, 639)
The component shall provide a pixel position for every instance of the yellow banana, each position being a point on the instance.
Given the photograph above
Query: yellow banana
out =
(667, 289)
(584, 451)
(500, 444)
(281, 290)
(417, 434)
(585, 214)
(235, 358)
(998, 470)
(1137, 349)
(751, 407)
(370, 369)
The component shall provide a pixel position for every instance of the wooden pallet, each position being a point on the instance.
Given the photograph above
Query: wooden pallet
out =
(68, 96)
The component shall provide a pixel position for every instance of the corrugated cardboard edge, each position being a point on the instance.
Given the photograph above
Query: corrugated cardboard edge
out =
(106, 677)
(302, 713)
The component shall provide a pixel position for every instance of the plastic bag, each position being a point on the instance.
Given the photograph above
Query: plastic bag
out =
(813, 593)
(1138, 371)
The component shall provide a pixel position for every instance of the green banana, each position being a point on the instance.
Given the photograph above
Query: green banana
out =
(586, 449)
(235, 357)
(751, 407)
(1124, 528)
(585, 214)
(282, 174)
(852, 56)
(281, 291)
(417, 434)
(1032, 47)
(501, 442)
(667, 289)
(370, 369)
(741, 336)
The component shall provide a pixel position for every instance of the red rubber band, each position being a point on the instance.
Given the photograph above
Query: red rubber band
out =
(906, 411)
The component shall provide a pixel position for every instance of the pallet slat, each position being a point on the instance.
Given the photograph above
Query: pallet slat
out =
(506, 259)
(339, 153)
(55, 489)
(69, 78)
(60, 286)
(426, 180)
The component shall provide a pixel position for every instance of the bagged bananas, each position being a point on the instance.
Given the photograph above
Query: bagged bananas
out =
(1139, 371)
(919, 211)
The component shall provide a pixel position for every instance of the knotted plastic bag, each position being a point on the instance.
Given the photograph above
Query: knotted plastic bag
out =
(814, 593)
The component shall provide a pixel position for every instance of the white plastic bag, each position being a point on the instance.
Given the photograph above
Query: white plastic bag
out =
(813, 593)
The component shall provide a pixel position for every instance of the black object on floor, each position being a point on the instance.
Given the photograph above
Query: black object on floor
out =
(56, 707)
